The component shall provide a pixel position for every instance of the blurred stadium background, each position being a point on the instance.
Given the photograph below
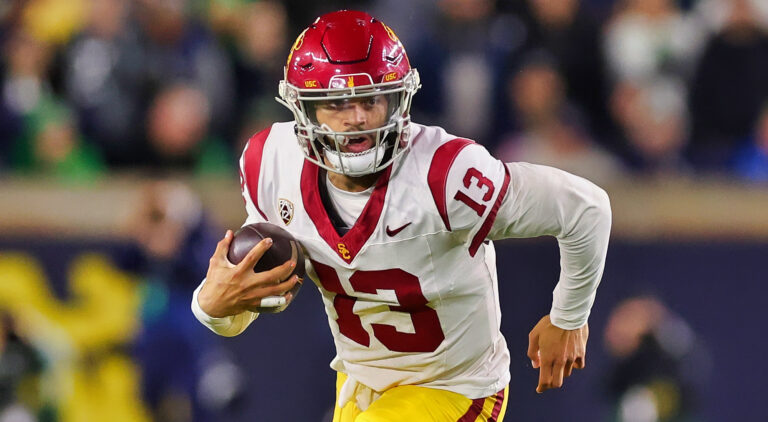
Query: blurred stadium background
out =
(121, 122)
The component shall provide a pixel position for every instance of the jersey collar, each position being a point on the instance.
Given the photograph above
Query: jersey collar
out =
(347, 246)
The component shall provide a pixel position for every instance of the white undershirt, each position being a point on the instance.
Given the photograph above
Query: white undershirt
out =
(349, 205)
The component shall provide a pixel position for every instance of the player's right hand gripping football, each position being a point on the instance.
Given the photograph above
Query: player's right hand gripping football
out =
(231, 289)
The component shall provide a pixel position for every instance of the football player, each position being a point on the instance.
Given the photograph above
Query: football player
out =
(398, 221)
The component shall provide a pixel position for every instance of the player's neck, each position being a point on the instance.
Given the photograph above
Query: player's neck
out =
(353, 184)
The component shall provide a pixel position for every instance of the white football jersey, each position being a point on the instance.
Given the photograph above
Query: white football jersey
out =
(411, 289)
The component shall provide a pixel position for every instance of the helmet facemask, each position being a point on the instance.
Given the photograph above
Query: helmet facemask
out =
(318, 141)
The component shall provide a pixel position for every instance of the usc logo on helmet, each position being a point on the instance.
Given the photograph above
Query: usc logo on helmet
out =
(391, 76)
(343, 251)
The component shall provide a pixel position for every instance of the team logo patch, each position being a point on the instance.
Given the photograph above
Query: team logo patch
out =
(350, 81)
(389, 77)
(343, 251)
(285, 208)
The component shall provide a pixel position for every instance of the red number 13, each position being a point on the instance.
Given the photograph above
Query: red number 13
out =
(427, 335)
(482, 181)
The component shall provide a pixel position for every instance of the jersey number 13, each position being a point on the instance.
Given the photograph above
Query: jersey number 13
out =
(427, 335)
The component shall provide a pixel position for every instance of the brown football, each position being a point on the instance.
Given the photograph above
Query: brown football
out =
(284, 246)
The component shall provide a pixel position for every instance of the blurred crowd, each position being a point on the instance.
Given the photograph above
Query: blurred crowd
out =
(108, 335)
(602, 88)
(660, 367)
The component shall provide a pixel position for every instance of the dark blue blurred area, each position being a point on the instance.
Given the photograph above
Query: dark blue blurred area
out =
(709, 284)
(712, 285)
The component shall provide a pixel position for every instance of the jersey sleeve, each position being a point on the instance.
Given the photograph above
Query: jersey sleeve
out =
(250, 175)
(468, 186)
(546, 201)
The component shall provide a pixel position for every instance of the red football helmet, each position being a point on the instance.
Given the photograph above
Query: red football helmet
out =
(348, 55)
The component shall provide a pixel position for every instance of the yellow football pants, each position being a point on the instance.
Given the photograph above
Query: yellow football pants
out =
(410, 403)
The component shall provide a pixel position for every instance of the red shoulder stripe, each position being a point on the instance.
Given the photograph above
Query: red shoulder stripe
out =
(252, 166)
(488, 223)
(438, 173)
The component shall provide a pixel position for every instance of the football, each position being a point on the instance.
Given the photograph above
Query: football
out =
(284, 247)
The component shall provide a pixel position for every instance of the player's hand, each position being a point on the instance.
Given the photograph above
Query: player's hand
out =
(231, 289)
(556, 352)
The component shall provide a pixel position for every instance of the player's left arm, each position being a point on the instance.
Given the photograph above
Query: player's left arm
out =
(487, 199)
(540, 201)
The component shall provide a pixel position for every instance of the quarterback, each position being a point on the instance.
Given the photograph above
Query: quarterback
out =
(398, 221)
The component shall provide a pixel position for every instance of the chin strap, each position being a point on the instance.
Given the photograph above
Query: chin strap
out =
(355, 164)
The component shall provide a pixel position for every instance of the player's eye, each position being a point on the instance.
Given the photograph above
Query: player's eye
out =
(373, 100)
(334, 105)
(367, 103)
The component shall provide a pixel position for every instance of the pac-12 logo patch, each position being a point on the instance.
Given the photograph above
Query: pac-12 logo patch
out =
(285, 207)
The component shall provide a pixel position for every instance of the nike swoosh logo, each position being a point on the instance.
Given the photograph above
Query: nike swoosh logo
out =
(392, 233)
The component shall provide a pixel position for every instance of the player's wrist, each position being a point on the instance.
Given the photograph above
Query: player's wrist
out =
(209, 307)
(206, 303)
(209, 311)
(565, 322)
